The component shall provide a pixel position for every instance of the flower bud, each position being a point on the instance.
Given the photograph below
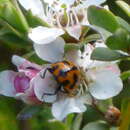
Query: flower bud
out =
(112, 115)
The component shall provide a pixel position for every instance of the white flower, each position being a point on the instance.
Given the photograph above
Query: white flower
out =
(103, 81)
(65, 15)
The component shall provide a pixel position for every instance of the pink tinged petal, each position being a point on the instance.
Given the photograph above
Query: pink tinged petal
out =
(30, 73)
(17, 60)
(29, 97)
(44, 35)
(7, 83)
(44, 86)
(74, 31)
(65, 106)
(34, 5)
(114, 68)
(23, 65)
(21, 83)
(106, 84)
(51, 52)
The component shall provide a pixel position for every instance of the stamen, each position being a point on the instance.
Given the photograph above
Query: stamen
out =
(71, 19)
(75, 16)
(58, 21)
(68, 22)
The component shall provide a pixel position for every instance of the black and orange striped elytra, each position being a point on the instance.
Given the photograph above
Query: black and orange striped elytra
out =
(67, 76)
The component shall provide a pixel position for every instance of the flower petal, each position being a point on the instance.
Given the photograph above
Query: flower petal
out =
(17, 60)
(7, 83)
(81, 59)
(51, 52)
(44, 35)
(66, 105)
(106, 84)
(24, 64)
(34, 5)
(28, 97)
(88, 3)
(44, 86)
(74, 31)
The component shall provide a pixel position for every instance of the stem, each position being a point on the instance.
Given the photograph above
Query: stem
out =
(96, 107)
(126, 119)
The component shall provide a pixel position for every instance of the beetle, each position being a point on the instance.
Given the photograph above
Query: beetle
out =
(67, 76)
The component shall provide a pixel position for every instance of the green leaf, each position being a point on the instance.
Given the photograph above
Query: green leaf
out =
(2, 1)
(34, 21)
(125, 7)
(118, 10)
(114, 128)
(106, 54)
(103, 32)
(28, 112)
(77, 122)
(120, 40)
(13, 16)
(96, 126)
(54, 125)
(11, 29)
(69, 119)
(4, 30)
(92, 37)
(87, 116)
(125, 75)
(123, 23)
(8, 114)
(102, 18)
(71, 46)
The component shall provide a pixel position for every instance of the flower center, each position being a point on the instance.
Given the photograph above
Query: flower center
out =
(64, 13)
(21, 83)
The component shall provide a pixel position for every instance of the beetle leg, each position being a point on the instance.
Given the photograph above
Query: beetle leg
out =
(51, 94)
(42, 75)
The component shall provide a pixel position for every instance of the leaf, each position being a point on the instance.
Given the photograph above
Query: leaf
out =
(125, 75)
(11, 29)
(69, 119)
(71, 46)
(28, 112)
(77, 122)
(120, 40)
(102, 18)
(103, 32)
(13, 16)
(114, 128)
(35, 21)
(7, 114)
(125, 7)
(92, 37)
(2, 1)
(54, 125)
(96, 126)
(117, 9)
(87, 116)
(106, 54)
(123, 23)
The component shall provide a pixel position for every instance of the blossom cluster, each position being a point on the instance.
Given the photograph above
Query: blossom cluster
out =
(101, 80)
